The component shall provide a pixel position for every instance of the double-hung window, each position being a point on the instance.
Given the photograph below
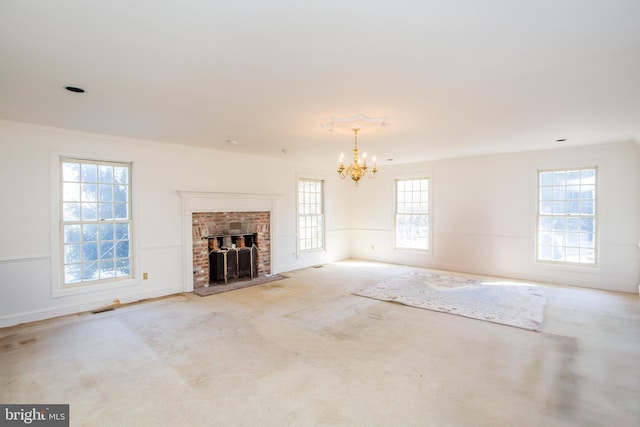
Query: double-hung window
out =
(310, 214)
(412, 214)
(567, 221)
(95, 221)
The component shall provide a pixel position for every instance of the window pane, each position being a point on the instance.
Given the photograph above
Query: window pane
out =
(566, 217)
(559, 208)
(107, 269)
(90, 271)
(105, 174)
(107, 250)
(71, 233)
(573, 224)
(89, 172)
(572, 254)
(90, 251)
(587, 240)
(587, 256)
(107, 232)
(412, 214)
(587, 207)
(588, 175)
(105, 193)
(106, 211)
(89, 190)
(559, 224)
(71, 172)
(573, 177)
(122, 249)
(72, 253)
(544, 252)
(546, 223)
(310, 214)
(573, 240)
(122, 267)
(120, 211)
(546, 178)
(122, 231)
(121, 175)
(588, 191)
(90, 233)
(72, 273)
(71, 192)
(71, 211)
(89, 211)
(120, 193)
(559, 193)
(559, 178)
(545, 238)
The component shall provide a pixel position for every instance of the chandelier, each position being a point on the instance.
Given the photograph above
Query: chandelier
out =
(358, 168)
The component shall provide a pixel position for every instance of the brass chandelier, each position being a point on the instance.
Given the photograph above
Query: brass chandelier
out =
(358, 168)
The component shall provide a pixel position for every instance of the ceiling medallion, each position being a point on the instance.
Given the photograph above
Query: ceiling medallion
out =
(358, 168)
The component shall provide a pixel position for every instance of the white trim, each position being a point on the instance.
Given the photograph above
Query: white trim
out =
(36, 315)
(596, 264)
(310, 177)
(428, 214)
(24, 259)
(89, 287)
(57, 287)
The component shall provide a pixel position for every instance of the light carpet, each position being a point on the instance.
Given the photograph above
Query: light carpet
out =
(507, 303)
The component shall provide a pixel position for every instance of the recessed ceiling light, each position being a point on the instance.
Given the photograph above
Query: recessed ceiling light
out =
(232, 142)
(74, 89)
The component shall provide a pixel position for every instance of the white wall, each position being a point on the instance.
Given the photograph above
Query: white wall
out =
(484, 213)
(28, 253)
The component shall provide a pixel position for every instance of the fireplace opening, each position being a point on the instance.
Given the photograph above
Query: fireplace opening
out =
(230, 246)
(232, 257)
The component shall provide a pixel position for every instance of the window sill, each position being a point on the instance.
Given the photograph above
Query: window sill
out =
(93, 288)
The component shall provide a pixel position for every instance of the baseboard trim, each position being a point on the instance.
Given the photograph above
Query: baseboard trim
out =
(34, 316)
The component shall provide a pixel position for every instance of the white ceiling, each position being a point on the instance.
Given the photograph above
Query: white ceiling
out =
(453, 77)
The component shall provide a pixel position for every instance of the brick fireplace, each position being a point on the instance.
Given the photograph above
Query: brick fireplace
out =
(205, 225)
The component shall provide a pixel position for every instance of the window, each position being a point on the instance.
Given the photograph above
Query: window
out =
(412, 213)
(310, 214)
(96, 221)
(567, 216)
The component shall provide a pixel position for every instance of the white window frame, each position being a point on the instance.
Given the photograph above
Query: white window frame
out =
(418, 206)
(60, 287)
(314, 212)
(558, 229)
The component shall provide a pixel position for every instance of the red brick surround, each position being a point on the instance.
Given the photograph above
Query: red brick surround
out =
(216, 223)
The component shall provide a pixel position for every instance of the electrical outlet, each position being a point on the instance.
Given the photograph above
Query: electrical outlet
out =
(373, 247)
(145, 276)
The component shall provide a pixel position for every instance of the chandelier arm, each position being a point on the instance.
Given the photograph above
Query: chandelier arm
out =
(358, 169)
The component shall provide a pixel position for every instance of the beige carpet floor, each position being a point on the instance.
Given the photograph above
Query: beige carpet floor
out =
(306, 352)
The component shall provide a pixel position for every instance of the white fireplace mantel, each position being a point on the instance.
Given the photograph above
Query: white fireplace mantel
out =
(202, 201)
